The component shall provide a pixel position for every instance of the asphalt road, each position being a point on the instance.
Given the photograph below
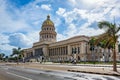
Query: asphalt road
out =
(21, 73)
(11, 73)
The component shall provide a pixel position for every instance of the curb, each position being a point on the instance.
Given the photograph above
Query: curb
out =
(112, 74)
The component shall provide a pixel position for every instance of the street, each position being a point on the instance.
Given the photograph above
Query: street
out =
(10, 73)
(22, 73)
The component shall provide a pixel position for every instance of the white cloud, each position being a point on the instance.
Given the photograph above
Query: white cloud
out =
(4, 46)
(77, 20)
(115, 13)
(61, 37)
(33, 36)
(60, 11)
(77, 14)
(92, 2)
(85, 4)
(3, 39)
(28, 19)
(102, 10)
(46, 7)
(9, 23)
(19, 39)
(89, 31)
(6, 49)
(57, 21)
(8, 42)
(71, 30)
(23, 40)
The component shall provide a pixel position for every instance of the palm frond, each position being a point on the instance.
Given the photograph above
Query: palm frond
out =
(103, 24)
(118, 29)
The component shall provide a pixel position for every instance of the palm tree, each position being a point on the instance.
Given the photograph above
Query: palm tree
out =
(110, 36)
(18, 52)
(102, 44)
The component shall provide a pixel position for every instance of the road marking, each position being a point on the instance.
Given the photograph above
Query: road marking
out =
(19, 76)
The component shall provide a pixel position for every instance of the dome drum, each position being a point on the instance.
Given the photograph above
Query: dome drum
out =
(49, 32)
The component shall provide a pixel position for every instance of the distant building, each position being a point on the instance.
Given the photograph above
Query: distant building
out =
(75, 48)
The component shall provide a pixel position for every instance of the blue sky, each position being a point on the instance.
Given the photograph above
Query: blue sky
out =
(20, 20)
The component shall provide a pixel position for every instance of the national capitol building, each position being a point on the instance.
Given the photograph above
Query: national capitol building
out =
(75, 48)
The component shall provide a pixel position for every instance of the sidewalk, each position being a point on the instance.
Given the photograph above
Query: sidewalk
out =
(95, 70)
(73, 68)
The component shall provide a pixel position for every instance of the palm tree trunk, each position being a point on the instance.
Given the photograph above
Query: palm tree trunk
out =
(114, 61)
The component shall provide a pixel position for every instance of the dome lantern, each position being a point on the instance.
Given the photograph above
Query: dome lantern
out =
(48, 17)
(48, 22)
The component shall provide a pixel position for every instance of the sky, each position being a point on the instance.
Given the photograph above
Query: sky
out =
(21, 20)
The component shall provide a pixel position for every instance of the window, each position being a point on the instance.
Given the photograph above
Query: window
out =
(78, 50)
(66, 50)
(72, 50)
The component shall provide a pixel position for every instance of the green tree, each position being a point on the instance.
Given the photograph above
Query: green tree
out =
(6, 58)
(102, 44)
(18, 53)
(92, 46)
(111, 37)
(2, 56)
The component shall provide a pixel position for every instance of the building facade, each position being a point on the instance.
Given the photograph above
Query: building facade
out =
(75, 48)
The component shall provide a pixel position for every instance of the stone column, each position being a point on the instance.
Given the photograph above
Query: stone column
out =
(82, 48)
(53, 52)
(60, 51)
(33, 52)
(69, 50)
(75, 52)
(45, 51)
